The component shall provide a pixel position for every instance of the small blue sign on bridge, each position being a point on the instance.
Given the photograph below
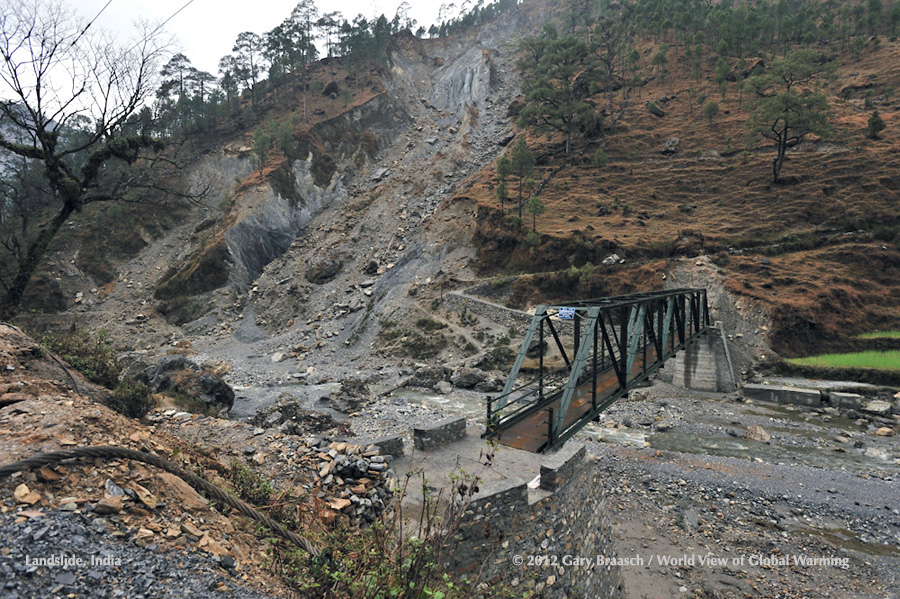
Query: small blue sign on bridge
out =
(566, 313)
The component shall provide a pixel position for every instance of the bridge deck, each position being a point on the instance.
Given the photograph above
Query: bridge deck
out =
(599, 340)
(530, 432)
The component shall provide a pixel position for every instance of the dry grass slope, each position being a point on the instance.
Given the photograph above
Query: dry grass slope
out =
(819, 250)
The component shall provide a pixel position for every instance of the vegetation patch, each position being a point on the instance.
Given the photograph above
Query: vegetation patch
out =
(413, 343)
(323, 168)
(428, 325)
(93, 356)
(880, 335)
(587, 281)
(131, 398)
(44, 294)
(89, 354)
(878, 360)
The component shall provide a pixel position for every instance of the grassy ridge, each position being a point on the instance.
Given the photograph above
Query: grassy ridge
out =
(880, 335)
(880, 360)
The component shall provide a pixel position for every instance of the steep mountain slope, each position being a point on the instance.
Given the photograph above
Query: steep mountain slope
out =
(309, 253)
(386, 199)
(818, 251)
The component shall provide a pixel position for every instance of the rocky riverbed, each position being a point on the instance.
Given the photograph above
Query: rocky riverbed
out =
(726, 498)
(717, 497)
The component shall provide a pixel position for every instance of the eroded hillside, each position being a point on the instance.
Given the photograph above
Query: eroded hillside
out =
(325, 250)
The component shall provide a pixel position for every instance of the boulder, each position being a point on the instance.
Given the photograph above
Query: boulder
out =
(490, 385)
(671, 146)
(353, 396)
(371, 267)
(159, 378)
(878, 407)
(133, 363)
(324, 271)
(610, 260)
(331, 90)
(466, 378)
(757, 433)
(380, 174)
(429, 376)
(444, 388)
(501, 358)
(655, 110)
(180, 374)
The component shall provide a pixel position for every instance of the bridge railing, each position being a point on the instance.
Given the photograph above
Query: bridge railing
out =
(507, 406)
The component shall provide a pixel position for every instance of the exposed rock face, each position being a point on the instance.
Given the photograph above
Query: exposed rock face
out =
(266, 219)
(182, 375)
(205, 270)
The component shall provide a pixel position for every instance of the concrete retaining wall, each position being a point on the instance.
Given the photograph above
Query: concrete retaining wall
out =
(782, 394)
(523, 543)
(847, 401)
(390, 445)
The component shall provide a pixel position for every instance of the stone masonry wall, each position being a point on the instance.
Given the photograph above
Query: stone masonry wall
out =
(531, 544)
(507, 317)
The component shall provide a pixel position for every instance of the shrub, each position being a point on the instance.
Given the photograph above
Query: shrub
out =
(400, 556)
(131, 398)
(875, 124)
(91, 355)
(251, 486)
(429, 325)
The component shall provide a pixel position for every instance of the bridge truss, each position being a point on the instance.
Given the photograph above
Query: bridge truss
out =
(605, 348)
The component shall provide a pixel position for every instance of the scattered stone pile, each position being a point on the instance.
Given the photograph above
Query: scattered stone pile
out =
(353, 396)
(76, 555)
(345, 480)
(289, 417)
(353, 480)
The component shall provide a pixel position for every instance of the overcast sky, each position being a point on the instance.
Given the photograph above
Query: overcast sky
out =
(206, 29)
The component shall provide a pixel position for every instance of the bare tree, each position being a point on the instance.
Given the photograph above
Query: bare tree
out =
(70, 99)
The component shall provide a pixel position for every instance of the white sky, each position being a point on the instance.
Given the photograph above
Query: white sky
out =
(206, 29)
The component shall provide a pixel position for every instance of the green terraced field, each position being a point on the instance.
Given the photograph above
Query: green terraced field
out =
(878, 360)
(880, 335)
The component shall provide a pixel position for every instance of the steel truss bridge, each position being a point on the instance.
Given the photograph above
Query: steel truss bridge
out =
(606, 347)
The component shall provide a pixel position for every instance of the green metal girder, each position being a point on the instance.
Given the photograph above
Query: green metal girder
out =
(578, 364)
(539, 314)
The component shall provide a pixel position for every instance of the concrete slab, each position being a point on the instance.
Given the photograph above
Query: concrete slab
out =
(846, 401)
(783, 395)
(465, 458)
